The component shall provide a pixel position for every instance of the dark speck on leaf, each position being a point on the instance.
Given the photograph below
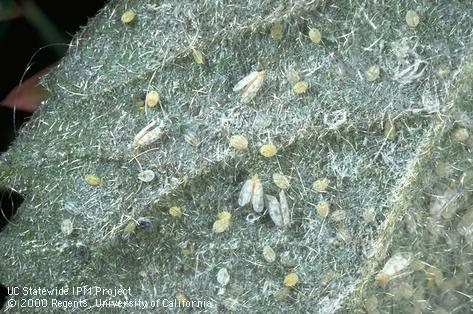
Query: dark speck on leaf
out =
(144, 224)
(82, 252)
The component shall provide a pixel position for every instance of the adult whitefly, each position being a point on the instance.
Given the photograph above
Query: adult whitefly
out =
(230, 304)
(278, 210)
(257, 199)
(394, 266)
(148, 135)
(246, 192)
(284, 207)
(247, 80)
(250, 85)
(272, 204)
(252, 191)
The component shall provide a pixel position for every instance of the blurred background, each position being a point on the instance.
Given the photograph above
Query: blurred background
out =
(34, 34)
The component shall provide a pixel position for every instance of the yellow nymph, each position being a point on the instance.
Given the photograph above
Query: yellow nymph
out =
(300, 87)
(128, 16)
(323, 208)
(152, 98)
(291, 279)
(175, 212)
(198, 56)
(320, 185)
(268, 150)
(93, 180)
(239, 142)
(315, 35)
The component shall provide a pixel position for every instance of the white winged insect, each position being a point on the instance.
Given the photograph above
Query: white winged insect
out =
(279, 210)
(250, 85)
(252, 191)
(148, 135)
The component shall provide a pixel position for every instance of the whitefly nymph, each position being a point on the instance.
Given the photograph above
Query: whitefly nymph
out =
(250, 85)
(252, 192)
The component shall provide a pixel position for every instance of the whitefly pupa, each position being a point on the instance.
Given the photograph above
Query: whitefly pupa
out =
(252, 191)
(250, 85)
(148, 135)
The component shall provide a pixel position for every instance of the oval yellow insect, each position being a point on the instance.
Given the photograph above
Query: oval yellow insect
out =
(239, 142)
(268, 150)
(291, 279)
(175, 212)
(412, 18)
(315, 35)
(320, 185)
(277, 31)
(128, 16)
(300, 87)
(198, 56)
(93, 180)
(220, 225)
(281, 181)
(224, 215)
(323, 208)
(152, 98)
(372, 73)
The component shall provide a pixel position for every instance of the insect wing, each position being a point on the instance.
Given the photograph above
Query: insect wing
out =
(140, 134)
(147, 135)
(253, 87)
(150, 137)
(245, 81)
(274, 208)
(257, 199)
(245, 193)
(284, 209)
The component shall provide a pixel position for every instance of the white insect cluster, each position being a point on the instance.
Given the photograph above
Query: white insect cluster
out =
(250, 85)
(252, 192)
